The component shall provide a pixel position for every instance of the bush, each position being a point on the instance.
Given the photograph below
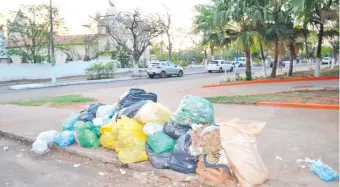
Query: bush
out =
(101, 70)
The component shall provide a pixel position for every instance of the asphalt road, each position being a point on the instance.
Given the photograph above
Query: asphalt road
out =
(7, 95)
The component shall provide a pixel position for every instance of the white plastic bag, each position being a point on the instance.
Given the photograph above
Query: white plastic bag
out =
(98, 122)
(239, 142)
(47, 136)
(151, 128)
(40, 147)
(105, 111)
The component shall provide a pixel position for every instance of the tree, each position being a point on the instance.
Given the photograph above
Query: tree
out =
(28, 32)
(318, 13)
(132, 31)
(238, 21)
(204, 25)
(166, 27)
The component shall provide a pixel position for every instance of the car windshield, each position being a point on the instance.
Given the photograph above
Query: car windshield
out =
(326, 58)
(214, 62)
(154, 64)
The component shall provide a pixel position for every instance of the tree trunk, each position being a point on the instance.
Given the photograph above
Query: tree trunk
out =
(318, 51)
(205, 57)
(306, 46)
(276, 55)
(292, 55)
(248, 65)
(212, 52)
(263, 60)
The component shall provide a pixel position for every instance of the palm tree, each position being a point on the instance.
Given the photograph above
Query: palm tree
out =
(317, 12)
(204, 24)
(237, 19)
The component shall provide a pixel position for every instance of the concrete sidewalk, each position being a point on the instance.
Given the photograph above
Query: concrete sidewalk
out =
(289, 133)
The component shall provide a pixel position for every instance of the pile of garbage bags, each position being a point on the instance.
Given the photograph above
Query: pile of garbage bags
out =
(188, 140)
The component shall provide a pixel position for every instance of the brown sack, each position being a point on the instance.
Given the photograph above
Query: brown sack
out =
(218, 175)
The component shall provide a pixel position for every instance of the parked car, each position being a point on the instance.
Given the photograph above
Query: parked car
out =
(220, 66)
(241, 62)
(326, 60)
(164, 69)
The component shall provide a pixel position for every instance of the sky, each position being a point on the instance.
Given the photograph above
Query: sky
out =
(76, 12)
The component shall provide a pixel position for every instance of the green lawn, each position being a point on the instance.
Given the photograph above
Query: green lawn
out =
(55, 101)
(316, 97)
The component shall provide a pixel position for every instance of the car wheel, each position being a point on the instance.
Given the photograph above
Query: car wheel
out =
(220, 70)
(240, 66)
(231, 69)
(209, 71)
(180, 73)
(151, 76)
(163, 74)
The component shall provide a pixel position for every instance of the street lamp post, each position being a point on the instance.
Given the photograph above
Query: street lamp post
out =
(52, 45)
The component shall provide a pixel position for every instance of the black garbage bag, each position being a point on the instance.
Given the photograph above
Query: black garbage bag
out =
(175, 130)
(133, 96)
(94, 107)
(130, 111)
(86, 116)
(159, 161)
(181, 159)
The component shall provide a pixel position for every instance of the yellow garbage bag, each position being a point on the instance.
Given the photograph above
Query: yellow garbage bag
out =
(153, 112)
(130, 140)
(132, 155)
(106, 128)
(107, 140)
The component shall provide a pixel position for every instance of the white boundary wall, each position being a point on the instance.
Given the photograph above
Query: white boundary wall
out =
(44, 71)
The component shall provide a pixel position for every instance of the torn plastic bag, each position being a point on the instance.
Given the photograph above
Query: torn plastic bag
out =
(70, 121)
(131, 110)
(86, 116)
(107, 140)
(161, 143)
(87, 138)
(159, 161)
(151, 128)
(174, 130)
(239, 142)
(106, 128)
(153, 112)
(181, 159)
(47, 136)
(194, 109)
(40, 147)
(105, 111)
(64, 138)
(92, 108)
(133, 96)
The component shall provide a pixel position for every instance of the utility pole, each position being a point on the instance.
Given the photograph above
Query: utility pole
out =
(52, 45)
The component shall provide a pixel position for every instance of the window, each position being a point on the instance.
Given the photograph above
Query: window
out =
(214, 62)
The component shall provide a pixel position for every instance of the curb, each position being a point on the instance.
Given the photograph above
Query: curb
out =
(140, 166)
(272, 81)
(36, 86)
(298, 105)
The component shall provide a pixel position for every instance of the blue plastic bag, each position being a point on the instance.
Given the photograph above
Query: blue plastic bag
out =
(324, 172)
(70, 121)
(64, 138)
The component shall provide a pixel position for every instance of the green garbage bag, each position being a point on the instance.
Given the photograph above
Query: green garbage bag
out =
(69, 122)
(83, 125)
(194, 109)
(87, 138)
(161, 143)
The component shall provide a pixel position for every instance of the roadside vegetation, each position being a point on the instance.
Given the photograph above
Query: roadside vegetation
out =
(57, 101)
(315, 97)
